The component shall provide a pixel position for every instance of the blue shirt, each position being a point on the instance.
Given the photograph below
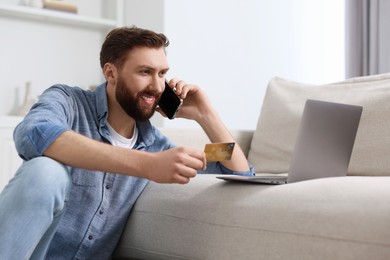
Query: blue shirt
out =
(100, 202)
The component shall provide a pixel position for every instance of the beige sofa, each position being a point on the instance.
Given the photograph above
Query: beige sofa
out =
(330, 218)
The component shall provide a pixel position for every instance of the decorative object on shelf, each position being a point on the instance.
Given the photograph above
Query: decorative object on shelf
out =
(27, 102)
(32, 3)
(60, 5)
(92, 87)
(36, 3)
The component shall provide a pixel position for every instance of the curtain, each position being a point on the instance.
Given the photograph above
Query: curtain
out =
(367, 37)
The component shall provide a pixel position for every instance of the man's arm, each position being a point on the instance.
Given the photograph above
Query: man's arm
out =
(175, 165)
(217, 132)
(46, 131)
(198, 107)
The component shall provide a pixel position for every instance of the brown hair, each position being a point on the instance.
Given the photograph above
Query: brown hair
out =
(121, 40)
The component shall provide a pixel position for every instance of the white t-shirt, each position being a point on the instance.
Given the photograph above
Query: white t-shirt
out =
(118, 140)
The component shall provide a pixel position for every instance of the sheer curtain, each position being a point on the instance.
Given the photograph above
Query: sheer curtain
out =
(367, 37)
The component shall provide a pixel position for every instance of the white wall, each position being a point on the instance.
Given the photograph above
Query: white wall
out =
(231, 48)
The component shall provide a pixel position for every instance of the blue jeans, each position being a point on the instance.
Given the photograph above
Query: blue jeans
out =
(31, 206)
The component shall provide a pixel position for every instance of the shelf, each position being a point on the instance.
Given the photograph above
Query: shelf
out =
(32, 13)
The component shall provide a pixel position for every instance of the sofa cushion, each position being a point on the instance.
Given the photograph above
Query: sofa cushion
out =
(214, 219)
(274, 138)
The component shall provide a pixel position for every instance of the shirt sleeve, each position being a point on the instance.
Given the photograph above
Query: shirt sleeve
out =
(46, 120)
(218, 168)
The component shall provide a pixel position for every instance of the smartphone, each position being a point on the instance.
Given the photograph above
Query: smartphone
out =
(169, 102)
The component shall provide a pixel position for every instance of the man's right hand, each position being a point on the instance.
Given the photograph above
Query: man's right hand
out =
(176, 165)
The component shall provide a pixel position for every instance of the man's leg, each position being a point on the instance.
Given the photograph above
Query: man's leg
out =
(31, 206)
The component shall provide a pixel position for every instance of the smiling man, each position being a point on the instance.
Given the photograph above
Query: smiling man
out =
(89, 154)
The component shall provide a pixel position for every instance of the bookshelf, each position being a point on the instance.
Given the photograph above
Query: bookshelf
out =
(53, 16)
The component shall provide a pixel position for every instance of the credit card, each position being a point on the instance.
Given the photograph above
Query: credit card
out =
(217, 152)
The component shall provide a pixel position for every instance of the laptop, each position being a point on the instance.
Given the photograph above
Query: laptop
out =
(323, 146)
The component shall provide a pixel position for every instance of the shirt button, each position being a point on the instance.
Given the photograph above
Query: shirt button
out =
(108, 187)
(90, 237)
(101, 212)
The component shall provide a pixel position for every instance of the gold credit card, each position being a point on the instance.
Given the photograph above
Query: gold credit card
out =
(218, 151)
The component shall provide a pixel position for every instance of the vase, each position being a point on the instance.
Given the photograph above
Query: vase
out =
(27, 102)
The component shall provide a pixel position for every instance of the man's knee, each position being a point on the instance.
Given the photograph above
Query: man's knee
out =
(46, 175)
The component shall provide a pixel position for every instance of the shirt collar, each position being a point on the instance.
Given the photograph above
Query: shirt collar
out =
(101, 101)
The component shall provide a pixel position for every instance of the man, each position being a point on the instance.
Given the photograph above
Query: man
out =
(89, 154)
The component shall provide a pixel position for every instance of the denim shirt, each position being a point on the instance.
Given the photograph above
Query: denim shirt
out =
(99, 202)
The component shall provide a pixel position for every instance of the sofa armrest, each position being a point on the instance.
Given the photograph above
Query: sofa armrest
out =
(196, 138)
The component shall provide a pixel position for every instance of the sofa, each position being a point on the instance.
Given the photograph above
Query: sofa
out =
(329, 218)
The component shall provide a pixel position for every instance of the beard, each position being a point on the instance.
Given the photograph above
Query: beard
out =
(131, 102)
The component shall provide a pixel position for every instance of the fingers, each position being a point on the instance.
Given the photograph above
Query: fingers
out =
(189, 160)
(180, 87)
(182, 180)
(184, 177)
(186, 163)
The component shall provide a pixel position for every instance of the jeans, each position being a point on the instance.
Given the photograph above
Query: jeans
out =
(31, 206)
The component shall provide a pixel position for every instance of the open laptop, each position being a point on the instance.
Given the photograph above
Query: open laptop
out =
(323, 146)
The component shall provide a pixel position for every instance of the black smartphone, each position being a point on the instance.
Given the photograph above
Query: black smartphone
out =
(169, 102)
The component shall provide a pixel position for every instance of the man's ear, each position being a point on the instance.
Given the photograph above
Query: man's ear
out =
(110, 73)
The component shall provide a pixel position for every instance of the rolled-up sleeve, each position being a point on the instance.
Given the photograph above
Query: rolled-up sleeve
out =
(47, 119)
(218, 168)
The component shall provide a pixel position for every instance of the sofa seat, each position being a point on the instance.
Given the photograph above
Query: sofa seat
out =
(330, 218)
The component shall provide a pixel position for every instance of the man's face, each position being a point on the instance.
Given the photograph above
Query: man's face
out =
(141, 81)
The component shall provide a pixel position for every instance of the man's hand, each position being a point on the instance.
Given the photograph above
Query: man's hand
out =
(196, 103)
(176, 165)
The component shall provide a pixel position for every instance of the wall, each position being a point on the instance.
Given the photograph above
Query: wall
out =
(232, 48)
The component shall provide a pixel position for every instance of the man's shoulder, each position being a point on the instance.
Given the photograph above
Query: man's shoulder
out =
(67, 89)
(78, 94)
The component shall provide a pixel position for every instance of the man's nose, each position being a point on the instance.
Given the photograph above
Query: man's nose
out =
(158, 84)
